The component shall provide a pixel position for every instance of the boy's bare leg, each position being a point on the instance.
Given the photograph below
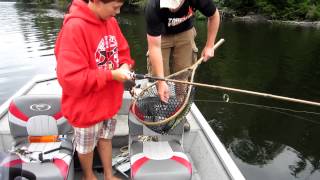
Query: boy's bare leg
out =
(105, 152)
(86, 165)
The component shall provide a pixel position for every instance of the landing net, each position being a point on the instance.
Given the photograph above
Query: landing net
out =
(160, 116)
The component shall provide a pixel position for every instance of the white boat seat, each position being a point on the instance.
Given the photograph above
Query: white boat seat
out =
(43, 137)
(157, 160)
(122, 128)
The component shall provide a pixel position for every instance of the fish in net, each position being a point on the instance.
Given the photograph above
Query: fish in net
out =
(162, 116)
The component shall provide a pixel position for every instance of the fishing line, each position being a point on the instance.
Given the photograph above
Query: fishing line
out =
(223, 88)
(272, 108)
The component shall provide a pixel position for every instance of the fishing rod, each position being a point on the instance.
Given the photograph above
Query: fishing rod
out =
(194, 66)
(142, 76)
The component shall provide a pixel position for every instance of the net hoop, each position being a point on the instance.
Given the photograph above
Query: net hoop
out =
(184, 104)
(186, 101)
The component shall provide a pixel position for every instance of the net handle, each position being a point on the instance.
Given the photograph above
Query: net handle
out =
(216, 45)
(199, 61)
(192, 67)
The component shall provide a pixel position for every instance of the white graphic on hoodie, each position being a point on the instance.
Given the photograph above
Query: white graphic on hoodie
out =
(107, 53)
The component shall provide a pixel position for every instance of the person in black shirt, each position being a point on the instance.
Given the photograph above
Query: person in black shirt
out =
(170, 33)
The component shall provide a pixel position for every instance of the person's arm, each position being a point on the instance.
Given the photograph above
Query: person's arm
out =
(73, 71)
(213, 27)
(125, 61)
(123, 47)
(155, 56)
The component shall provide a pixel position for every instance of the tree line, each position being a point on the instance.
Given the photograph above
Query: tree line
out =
(302, 10)
(275, 9)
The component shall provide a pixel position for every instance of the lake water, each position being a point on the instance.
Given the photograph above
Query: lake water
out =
(268, 139)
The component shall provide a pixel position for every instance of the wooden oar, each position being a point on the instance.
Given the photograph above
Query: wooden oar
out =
(141, 76)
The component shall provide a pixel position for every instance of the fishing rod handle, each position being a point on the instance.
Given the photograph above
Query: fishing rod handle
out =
(142, 76)
(138, 76)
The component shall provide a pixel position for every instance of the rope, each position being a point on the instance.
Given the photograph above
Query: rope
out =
(124, 150)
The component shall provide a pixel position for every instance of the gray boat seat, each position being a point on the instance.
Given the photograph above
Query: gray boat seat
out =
(158, 159)
(43, 137)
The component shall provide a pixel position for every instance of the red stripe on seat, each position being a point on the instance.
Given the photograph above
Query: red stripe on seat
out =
(13, 163)
(136, 165)
(13, 109)
(183, 161)
(62, 166)
(58, 115)
(135, 110)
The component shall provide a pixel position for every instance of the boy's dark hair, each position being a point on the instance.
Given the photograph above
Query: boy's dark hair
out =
(87, 1)
(105, 1)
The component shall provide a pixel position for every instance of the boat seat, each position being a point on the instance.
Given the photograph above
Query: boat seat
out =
(43, 137)
(163, 157)
(121, 134)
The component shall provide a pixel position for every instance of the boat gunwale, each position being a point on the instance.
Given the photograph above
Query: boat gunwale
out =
(23, 90)
(221, 152)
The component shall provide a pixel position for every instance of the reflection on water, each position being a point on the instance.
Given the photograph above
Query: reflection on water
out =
(27, 40)
(266, 143)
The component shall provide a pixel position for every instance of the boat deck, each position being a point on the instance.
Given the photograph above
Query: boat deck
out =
(208, 156)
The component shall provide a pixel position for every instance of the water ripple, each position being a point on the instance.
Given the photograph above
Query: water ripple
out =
(27, 41)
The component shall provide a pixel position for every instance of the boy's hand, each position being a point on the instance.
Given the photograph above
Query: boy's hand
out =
(121, 74)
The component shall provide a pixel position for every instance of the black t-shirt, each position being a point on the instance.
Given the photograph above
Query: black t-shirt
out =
(163, 21)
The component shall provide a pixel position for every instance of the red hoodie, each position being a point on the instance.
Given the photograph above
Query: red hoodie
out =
(87, 49)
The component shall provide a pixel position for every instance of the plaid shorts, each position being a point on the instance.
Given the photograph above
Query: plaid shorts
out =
(86, 139)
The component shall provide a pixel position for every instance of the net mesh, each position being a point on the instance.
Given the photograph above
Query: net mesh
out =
(159, 116)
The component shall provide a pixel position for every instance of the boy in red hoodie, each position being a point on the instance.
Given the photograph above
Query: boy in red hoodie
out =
(93, 60)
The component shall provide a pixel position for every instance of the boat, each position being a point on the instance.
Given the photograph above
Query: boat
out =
(208, 157)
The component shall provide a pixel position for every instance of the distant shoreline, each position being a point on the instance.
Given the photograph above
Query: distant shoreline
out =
(262, 19)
